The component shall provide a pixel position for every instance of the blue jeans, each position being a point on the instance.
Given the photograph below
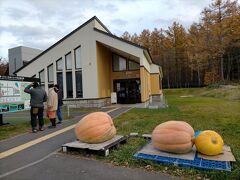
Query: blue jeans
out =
(59, 113)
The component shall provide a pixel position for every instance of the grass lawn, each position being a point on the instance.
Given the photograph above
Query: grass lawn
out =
(198, 110)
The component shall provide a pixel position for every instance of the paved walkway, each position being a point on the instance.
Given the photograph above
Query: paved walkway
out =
(35, 156)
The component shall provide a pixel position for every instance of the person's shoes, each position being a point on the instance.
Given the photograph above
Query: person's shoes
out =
(50, 127)
(34, 131)
(59, 122)
(41, 129)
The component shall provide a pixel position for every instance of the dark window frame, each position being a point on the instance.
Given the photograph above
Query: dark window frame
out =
(76, 83)
(57, 65)
(49, 82)
(134, 62)
(113, 63)
(68, 72)
(40, 77)
(75, 57)
(127, 64)
(66, 61)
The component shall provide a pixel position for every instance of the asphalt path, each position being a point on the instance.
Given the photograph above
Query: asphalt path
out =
(42, 160)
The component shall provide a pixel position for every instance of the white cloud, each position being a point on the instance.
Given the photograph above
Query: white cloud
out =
(40, 23)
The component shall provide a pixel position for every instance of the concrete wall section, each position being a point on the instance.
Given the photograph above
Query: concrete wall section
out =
(15, 59)
(18, 55)
(29, 53)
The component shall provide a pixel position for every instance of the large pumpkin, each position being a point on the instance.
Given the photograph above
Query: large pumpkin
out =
(173, 136)
(96, 127)
(209, 142)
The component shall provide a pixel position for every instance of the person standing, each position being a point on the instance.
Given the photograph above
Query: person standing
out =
(60, 103)
(38, 97)
(52, 105)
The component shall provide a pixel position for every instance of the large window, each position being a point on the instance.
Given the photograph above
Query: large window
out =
(59, 65)
(68, 61)
(50, 73)
(79, 90)
(78, 62)
(119, 63)
(78, 72)
(122, 64)
(59, 69)
(69, 84)
(133, 65)
(60, 81)
(42, 76)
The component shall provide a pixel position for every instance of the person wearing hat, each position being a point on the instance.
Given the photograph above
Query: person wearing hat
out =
(38, 97)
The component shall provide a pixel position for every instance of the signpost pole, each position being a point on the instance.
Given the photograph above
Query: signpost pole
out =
(1, 120)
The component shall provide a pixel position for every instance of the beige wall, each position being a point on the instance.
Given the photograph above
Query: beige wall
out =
(145, 84)
(104, 64)
(155, 86)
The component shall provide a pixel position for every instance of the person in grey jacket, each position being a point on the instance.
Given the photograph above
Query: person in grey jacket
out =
(38, 97)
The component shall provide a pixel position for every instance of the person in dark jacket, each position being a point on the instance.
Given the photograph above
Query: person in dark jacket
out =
(38, 97)
(60, 103)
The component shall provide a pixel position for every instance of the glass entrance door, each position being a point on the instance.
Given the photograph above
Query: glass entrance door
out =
(128, 91)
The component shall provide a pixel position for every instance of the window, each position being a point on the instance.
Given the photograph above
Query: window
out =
(122, 64)
(60, 81)
(69, 84)
(133, 65)
(78, 62)
(59, 74)
(79, 92)
(119, 63)
(59, 65)
(50, 73)
(42, 76)
(78, 72)
(68, 60)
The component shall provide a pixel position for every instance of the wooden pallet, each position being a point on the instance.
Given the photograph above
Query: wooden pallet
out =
(100, 149)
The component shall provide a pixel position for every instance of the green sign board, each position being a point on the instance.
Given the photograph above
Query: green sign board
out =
(12, 96)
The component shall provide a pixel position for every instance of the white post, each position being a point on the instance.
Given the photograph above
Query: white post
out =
(68, 110)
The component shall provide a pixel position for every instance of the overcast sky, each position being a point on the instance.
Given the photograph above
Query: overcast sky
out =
(40, 23)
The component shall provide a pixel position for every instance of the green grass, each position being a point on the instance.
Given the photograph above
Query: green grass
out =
(200, 111)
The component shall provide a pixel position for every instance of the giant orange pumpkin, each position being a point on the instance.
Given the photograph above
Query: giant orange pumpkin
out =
(173, 136)
(96, 127)
(209, 142)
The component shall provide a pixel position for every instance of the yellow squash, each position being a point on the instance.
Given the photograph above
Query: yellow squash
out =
(209, 142)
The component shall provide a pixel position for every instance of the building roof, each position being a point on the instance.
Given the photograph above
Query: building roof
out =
(108, 33)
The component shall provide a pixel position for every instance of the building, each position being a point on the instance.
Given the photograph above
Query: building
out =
(90, 63)
(19, 56)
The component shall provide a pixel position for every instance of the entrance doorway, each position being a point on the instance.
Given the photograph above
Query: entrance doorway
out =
(128, 91)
